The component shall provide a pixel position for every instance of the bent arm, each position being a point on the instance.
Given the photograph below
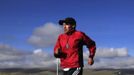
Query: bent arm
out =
(57, 48)
(90, 45)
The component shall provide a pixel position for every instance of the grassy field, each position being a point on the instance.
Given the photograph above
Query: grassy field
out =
(52, 72)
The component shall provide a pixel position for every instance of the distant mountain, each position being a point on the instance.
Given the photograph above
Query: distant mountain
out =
(41, 71)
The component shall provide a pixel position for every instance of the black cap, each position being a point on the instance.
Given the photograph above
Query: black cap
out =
(68, 20)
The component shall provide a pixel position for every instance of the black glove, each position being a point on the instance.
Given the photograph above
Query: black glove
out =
(58, 54)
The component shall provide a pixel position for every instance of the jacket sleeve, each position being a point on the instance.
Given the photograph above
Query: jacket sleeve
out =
(57, 47)
(90, 45)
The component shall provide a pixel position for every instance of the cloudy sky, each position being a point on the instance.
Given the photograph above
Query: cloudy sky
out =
(29, 29)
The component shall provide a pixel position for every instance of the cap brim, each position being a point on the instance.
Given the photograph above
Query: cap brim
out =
(61, 22)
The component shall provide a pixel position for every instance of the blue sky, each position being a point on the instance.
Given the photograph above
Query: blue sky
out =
(108, 22)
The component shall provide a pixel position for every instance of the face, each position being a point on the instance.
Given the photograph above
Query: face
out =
(67, 28)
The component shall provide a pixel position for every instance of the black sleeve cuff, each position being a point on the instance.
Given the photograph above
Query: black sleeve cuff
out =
(91, 56)
(57, 55)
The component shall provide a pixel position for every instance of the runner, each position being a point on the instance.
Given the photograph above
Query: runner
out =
(69, 48)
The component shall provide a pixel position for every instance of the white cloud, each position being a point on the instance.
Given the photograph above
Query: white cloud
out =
(111, 52)
(13, 58)
(9, 53)
(45, 36)
(108, 53)
(116, 63)
(111, 58)
(38, 52)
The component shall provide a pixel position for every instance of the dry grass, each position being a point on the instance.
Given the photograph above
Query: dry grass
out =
(48, 72)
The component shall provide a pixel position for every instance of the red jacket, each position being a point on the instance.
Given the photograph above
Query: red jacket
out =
(71, 46)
